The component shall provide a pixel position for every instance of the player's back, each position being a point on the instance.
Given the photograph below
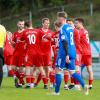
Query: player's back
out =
(67, 33)
(84, 41)
(32, 39)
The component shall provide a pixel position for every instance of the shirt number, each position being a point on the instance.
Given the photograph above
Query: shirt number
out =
(71, 38)
(87, 37)
(32, 39)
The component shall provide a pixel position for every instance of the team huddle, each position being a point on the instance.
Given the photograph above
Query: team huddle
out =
(40, 54)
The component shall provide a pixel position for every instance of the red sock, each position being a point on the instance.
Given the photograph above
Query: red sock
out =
(66, 78)
(32, 79)
(21, 77)
(39, 79)
(72, 80)
(90, 82)
(28, 79)
(17, 74)
(45, 81)
(11, 72)
(52, 77)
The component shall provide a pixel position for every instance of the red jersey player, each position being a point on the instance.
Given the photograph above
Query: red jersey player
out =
(8, 53)
(55, 47)
(86, 49)
(32, 38)
(78, 54)
(19, 53)
(46, 47)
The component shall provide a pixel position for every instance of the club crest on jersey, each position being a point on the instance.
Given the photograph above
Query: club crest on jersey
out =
(63, 37)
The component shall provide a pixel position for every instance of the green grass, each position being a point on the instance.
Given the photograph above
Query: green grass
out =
(9, 92)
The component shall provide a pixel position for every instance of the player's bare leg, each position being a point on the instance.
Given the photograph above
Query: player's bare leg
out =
(90, 72)
(45, 81)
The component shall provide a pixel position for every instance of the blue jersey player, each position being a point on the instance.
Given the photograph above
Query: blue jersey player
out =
(66, 54)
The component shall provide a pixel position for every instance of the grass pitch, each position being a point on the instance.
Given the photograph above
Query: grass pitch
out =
(9, 92)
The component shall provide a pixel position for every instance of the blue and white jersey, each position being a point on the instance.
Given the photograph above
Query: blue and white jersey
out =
(67, 34)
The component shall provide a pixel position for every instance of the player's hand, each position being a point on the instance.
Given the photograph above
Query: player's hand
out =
(46, 37)
(67, 59)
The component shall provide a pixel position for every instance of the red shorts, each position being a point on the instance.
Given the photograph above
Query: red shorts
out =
(33, 58)
(47, 61)
(86, 60)
(8, 60)
(19, 59)
(78, 60)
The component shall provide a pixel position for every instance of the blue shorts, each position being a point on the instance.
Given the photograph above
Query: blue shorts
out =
(61, 63)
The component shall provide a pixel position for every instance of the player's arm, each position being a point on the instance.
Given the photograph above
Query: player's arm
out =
(65, 45)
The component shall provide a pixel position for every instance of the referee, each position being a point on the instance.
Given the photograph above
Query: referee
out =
(2, 40)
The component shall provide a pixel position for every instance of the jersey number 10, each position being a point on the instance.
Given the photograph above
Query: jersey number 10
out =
(32, 39)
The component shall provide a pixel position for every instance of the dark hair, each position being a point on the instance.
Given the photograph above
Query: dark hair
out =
(27, 24)
(80, 20)
(58, 24)
(44, 19)
(62, 14)
(20, 20)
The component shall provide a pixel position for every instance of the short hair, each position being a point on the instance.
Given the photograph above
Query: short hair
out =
(62, 14)
(44, 19)
(58, 24)
(20, 20)
(27, 23)
(70, 19)
(80, 20)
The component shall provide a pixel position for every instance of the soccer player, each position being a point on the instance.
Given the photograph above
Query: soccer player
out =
(78, 55)
(19, 54)
(8, 53)
(66, 54)
(2, 40)
(46, 47)
(55, 47)
(86, 49)
(33, 58)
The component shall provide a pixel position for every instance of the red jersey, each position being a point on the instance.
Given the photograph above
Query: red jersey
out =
(77, 41)
(55, 40)
(84, 41)
(46, 45)
(19, 45)
(32, 38)
(8, 49)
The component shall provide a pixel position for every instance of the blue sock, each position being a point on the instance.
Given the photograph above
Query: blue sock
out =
(58, 78)
(79, 79)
